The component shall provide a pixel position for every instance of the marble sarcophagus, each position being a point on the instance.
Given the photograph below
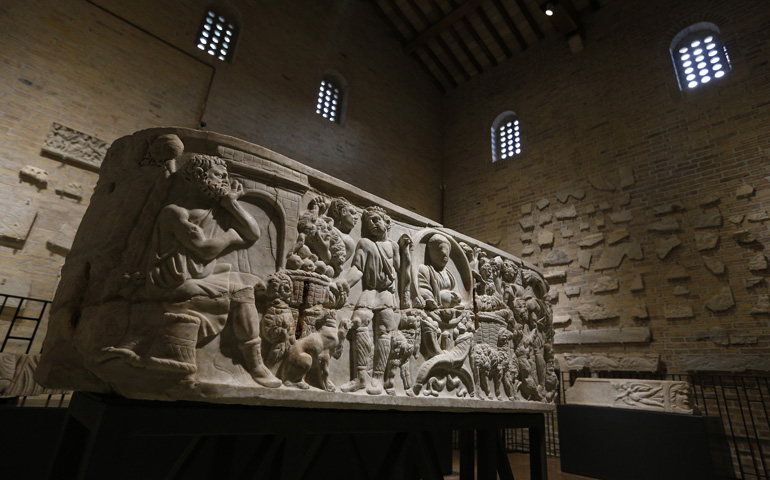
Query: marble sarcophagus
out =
(207, 268)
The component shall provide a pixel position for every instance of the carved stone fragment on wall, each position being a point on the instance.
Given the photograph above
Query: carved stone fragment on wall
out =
(556, 257)
(545, 238)
(709, 200)
(75, 146)
(637, 283)
(566, 213)
(622, 216)
(680, 291)
(736, 219)
(616, 236)
(556, 276)
(603, 335)
(205, 278)
(604, 285)
(753, 281)
(605, 206)
(542, 203)
(667, 225)
(595, 311)
(71, 190)
(664, 246)
(677, 272)
(626, 174)
(624, 200)
(527, 223)
(613, 256)
(762, 305)
(572, 291)
(714, 265)
(527, 251)
(706, 240)
(744, 237)
(567, 233)
(722, 301)
(726, 363)
(600, 182)
(758, 262)
(656, 395)
(639, 311)
(744, 191)
(544, 219)
(62, 241)
(758, 217)
(591, 240)
(17, 221)
(526, 209)
(666, 208)
(36, 176)
(678, 311)
(584, 259)
(590, 209)
(706, 220)
(609, 362)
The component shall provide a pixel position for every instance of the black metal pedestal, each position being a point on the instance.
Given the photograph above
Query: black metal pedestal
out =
(111, 437)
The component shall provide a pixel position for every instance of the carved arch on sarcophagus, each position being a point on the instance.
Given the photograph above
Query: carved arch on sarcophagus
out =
(456, 255)
(267, 254)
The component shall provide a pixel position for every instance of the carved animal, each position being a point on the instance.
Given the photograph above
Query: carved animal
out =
(404, 343)
(313, 352)
(489, 363)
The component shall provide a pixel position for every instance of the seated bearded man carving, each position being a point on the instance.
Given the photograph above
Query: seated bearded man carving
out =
(190, 234)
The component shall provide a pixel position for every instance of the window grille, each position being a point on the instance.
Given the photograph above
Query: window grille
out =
(506, 137)
(217, 36)
(699, 55)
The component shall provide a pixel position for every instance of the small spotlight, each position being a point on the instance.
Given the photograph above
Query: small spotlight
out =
(548, 8)
(549, 12)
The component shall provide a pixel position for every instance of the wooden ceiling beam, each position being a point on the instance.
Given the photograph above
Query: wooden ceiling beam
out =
(459, 40)
(477, 38)
(492, 30)
(510, 23)
(420, 61)
(455, 16)
(530, 19)
(441, 43)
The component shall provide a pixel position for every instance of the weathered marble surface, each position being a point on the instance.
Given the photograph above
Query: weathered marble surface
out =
(210, 269)
(658, 395)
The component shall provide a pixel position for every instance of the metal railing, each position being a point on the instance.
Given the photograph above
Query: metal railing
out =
(21, 319)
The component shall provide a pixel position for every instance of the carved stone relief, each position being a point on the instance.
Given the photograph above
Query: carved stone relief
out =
(604, 285)
(744, 191)
(75, 146)
(677, 272)
(592, 311)
(526, 209)
(624, 200)
(714, 265)
(762, 305)
(639, 311)
(736, 219)
(545, 238)
(34, 175)
(603, 335)
(664, 246)
(706, 240)
(17, 222)
(722, 301)
(655, 395)
(599, 362)
(706, 220)
(566, 213)
(591, 240)
(678, 311)
(556, 257)
(211, 279)
(754, 281)
(62, 241)
(71, 190)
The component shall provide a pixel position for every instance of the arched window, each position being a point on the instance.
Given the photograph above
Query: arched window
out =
(332, 97)
(219, 33)
(506, 136)
(699, 55)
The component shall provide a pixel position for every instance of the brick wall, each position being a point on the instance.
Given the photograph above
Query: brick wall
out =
(617, 105)
(109, 68)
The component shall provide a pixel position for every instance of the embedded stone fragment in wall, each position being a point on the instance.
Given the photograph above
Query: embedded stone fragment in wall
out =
(604, 284)
(544, 219)
(605, 206)
(556, 276)
(706, 240)
(624, 200)
(527, 251)
(591, 240)
(622, 216)
(721, 301)
(603, 335)
(678, 311)
(584, 259)
(740, 339)
(758, 262)
(680, 290)
(725, 363)
(717, 335)
(606, 363)
(616, 236)
(736, 219)
(599, 223)
(527, 223)
(744, 237)
(71, 190)
(556, 257)
(706, 220)
(34, 175)
(753, 281)
(578, 193)
(666, 208)
(626, 173)
(613, 256)
(561, 321)
(639, 311)
(566, 213)
(758, 217)
(567, 233)
(762, 305)
(664, 246)
(584, 226)
(526, 238)
(552, 296)
(590, 209)
(17, 222)
(744, 191)
(562, 197)
(709, 200)
(714, 265)
(668, 225)
(677, 272)
(545, 238)
(572, 291)
(526, 209)
(600, 182)
(595, 311)
(542, 203)
(62, 241)
(75, 146)
(637, 283)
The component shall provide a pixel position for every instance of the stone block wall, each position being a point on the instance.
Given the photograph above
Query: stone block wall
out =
(107, 68)
(673, 185)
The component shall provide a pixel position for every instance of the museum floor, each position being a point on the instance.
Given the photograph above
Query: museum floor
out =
(520, 467)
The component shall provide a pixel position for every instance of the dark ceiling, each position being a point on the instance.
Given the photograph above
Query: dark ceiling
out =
(455, 40)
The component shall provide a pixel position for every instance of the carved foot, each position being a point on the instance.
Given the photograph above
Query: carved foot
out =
(302, 385)
(330, 387)
(265, 377)
(391, 391)
(375, 387)
(353, 386)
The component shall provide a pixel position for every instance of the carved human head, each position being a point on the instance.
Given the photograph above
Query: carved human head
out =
(279, 285)
(209, 173)
(488, 268)
(375, 222)
(344, 214)
(510, 271)
(438, 251)
(165, 147)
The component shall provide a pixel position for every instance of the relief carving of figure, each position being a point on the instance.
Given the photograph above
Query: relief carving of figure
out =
(376, 263)
(190, 234)
(278, 324)
(632, 393)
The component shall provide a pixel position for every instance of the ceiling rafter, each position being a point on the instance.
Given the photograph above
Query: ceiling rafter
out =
(493, 31)
(510, 23)
(441, 43)
(460, 42)
(530, 19)
(458, 13)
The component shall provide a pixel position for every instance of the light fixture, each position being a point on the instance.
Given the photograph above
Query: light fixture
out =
(548, 9)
